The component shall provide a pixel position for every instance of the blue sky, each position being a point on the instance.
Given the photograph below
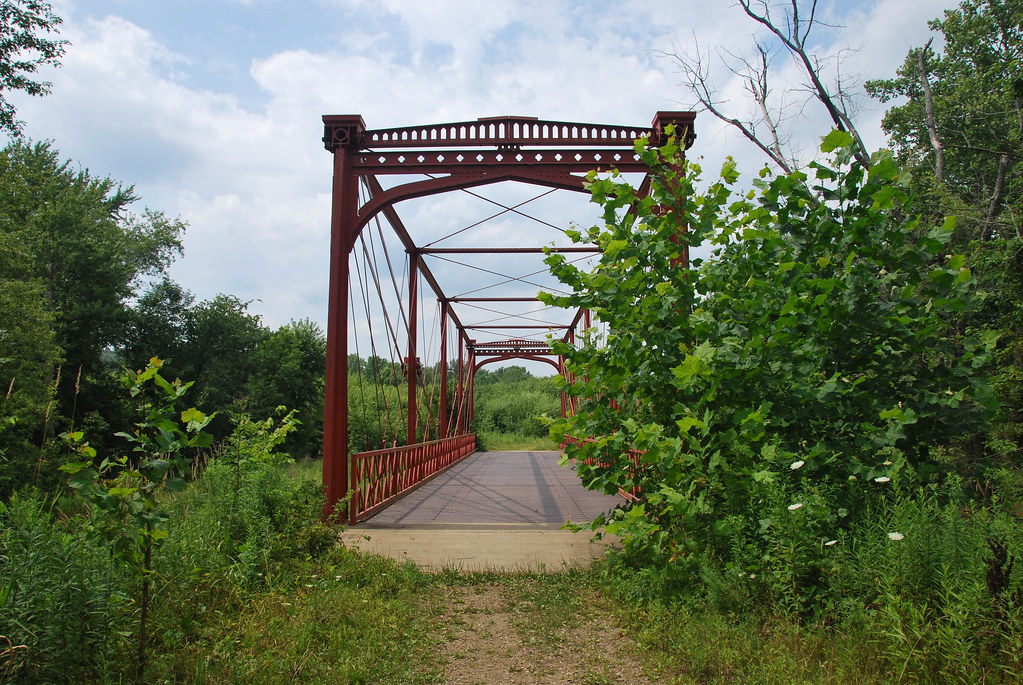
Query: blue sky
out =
(212, 107)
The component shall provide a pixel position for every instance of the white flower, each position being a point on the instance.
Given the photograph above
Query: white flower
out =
(895, 536)
(796, 464)
(831, 543)
(882, 479)
(793, 507)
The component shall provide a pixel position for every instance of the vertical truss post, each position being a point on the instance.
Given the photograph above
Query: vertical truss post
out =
(443, 369)
(564, 397)
(412, 363)
(471, 389)
(460, 403)
(342, 137)
(571, 378)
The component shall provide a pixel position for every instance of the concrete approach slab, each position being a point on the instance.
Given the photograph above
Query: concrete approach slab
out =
(493, 511)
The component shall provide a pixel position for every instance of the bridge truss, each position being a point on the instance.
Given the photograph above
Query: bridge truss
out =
(373, 172)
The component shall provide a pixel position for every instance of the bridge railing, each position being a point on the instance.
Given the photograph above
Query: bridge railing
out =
(381, 476)
(634, 493)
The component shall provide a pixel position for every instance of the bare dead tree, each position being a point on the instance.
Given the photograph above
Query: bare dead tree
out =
(696, 73)
(792, 31)
(929, 122)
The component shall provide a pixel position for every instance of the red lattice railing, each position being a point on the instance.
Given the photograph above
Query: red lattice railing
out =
(634, 493)
(506, 131)
(380, 476)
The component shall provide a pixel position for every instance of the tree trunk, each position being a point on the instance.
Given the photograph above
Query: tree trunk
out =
(996, 198)
(147, 563)
(932, 129)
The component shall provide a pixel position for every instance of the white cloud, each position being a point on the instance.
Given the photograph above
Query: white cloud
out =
(252, 180)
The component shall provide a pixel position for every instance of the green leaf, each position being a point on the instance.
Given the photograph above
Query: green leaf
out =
(193, 415)
(175, 484)
(835, 140)
(688, 422)
(82, 478)
(613, 247)
(158, 467)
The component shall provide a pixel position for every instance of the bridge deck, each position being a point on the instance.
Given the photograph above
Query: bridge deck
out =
(499, 487)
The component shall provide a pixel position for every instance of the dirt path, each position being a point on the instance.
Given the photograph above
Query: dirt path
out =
(529, 629)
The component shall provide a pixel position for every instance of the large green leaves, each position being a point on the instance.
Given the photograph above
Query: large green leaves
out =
(810, 354)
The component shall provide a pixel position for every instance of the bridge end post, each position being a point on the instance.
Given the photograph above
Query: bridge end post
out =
(342, 137)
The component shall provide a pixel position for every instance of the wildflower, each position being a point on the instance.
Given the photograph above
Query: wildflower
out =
(882, 479)
(895, 536)
(831, 543)
(796, 464)
(793, 507)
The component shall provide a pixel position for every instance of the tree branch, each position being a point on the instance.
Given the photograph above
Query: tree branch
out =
(996, 198)
(796, 45)
(932, 129)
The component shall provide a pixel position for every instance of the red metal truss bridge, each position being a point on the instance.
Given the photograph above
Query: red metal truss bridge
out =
(407, 359)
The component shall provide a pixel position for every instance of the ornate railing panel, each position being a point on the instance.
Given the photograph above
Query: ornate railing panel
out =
(380, 476)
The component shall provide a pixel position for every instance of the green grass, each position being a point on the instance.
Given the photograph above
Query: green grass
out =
(496, 442)
(309, 610)
(348, 619)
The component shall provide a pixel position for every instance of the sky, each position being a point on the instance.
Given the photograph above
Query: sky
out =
(212, 108)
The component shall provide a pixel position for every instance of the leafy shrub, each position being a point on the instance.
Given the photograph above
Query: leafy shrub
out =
(771, 394)
(61, 595)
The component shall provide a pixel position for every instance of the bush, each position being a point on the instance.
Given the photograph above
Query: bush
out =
(767, 400)
(61, 595)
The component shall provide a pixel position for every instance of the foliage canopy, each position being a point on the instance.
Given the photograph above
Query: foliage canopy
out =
(807, 364)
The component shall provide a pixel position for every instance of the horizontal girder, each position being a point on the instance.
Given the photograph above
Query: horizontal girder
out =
(430, 162)
(510, 348)
(505, 132)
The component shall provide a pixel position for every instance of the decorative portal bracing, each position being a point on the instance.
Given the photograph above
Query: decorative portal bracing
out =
(484, 271)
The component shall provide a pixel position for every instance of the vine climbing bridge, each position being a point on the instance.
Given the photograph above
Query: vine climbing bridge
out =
(401, 361)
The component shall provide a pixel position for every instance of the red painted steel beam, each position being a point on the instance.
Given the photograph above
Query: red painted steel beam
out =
(490, 360)
(343, 219)
(383, 200)
(452, 161)
(444, 307)
(506, 250)
(507, 326)
(504, 131)
(456, 300)
(412, 361)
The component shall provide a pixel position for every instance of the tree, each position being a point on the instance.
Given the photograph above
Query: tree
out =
(158, 325)
(78, 237)
(963, 118)
(25, 45)
(288, 371)
(71, 237)
(222, 341)
(789, 26)
(960, 130)
(28, 356)
(806, 365)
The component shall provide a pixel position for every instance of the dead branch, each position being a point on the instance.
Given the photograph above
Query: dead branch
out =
(932, 129)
